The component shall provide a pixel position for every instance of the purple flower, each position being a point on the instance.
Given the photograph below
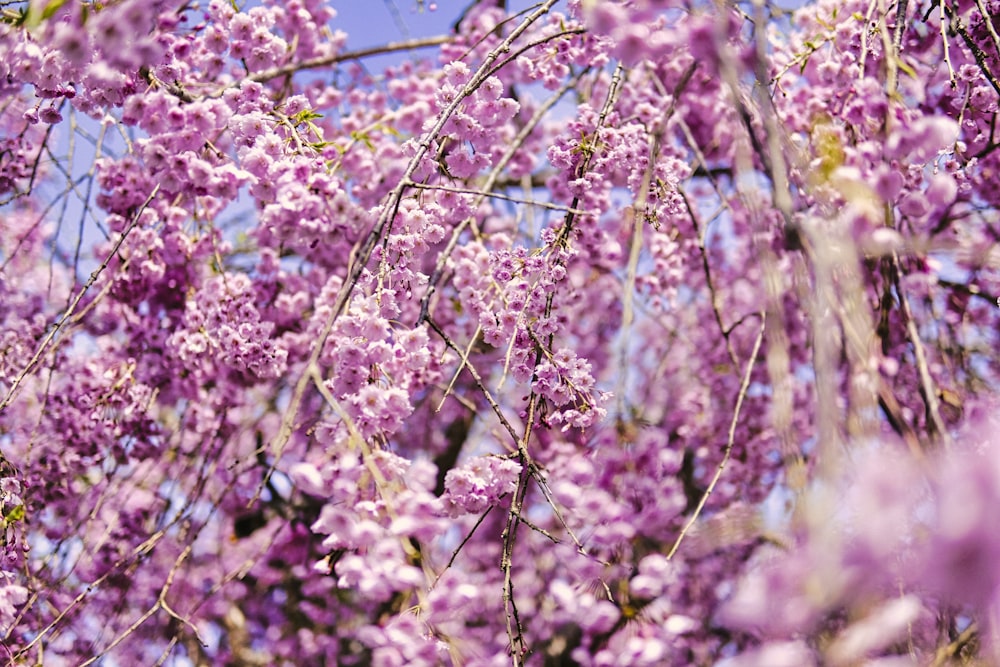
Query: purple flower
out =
(479, 483)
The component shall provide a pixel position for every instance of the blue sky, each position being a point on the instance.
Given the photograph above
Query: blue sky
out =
(372, 22)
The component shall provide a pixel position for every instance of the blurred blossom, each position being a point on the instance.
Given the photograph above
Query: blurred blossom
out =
(914, 533)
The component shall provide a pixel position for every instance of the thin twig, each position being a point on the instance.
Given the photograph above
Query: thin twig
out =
(8, 399)
(640, 214)
(744, 386)
(146, 615)
(463, 361)
(945, 46)
(929, 389)
(162, 598)
(531, 45)
(326, 61)
(588, 156)
(497, 195)
(955, 22)
(491, 180)
(382, 225)
(900, 26)
(114, 570)
(515, 633)
(526, 460)
(34, 169)
(538, 529)
(988, 20)
(454, 554)
(709, 282)
(478, 380)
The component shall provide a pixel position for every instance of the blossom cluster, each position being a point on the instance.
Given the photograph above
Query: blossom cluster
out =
(222, 323)
(480, 484)
(630, 332)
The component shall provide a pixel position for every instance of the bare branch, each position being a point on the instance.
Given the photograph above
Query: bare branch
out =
(57, 326)
(326, 61)
(744, 386)
(384, 222)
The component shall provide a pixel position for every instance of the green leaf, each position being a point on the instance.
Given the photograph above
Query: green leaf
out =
(320, 145)
(388, 129)
(902, 64)
(305, 116)
(363, 138)
(15, 513)
(37, 13)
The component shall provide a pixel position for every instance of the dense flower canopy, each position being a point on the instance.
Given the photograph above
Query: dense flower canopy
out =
(594, 332)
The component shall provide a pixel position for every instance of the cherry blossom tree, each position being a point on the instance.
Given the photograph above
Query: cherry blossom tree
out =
(595, 332)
